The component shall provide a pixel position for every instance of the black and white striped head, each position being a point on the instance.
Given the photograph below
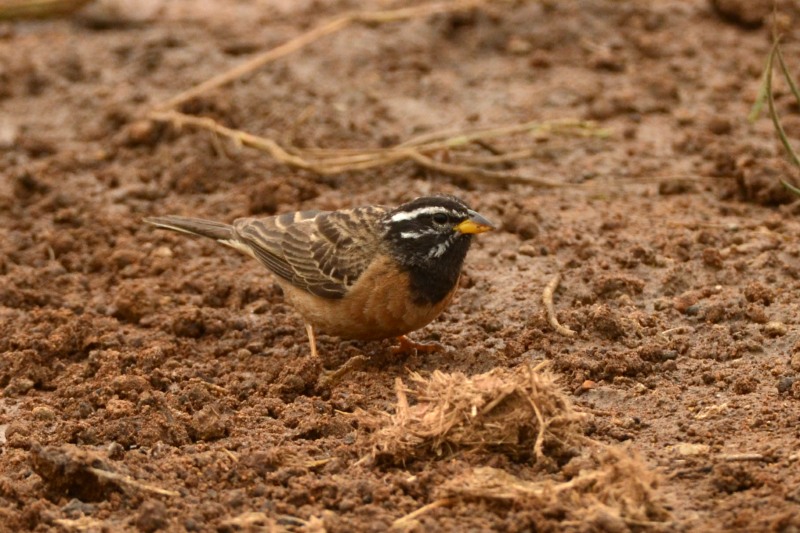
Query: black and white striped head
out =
(433, 232)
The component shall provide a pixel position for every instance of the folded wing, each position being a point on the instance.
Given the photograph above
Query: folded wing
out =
(322, 252)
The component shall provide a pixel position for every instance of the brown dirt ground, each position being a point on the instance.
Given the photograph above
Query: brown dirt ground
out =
(177, 365)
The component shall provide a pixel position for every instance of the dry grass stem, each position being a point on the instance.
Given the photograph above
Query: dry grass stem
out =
(519, 412)
(453, 138)
(550, 308)
(329, 161)
(419, 149)
(125, 482)
(84, 523)
(26, 9)
(409, 521)
(252, 521)
(766, 94)
(327, 28)
(735, 457)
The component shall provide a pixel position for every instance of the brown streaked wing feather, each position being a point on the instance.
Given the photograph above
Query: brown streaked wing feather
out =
(331, 254)
(323, 253)
(350, 240)
(264, 236)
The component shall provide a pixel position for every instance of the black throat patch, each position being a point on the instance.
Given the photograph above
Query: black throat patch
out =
(432, 281)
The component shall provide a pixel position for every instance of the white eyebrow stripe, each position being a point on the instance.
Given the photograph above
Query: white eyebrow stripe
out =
(408, 215)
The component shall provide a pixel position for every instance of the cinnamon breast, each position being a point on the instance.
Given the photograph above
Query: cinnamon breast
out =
(377, 306)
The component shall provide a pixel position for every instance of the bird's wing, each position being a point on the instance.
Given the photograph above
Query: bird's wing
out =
(322, 252)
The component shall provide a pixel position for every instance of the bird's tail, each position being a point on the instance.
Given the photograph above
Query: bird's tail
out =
(194, 226)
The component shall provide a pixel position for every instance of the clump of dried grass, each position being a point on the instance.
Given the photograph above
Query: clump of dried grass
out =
(519, 412)
(620, 493)
(523, 414)
(765, 94)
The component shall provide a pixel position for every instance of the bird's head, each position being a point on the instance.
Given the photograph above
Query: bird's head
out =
(433, 232)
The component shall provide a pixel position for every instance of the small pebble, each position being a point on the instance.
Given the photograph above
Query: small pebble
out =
(19, 387)
(142, 133)
(42, 412)
(684, 116)
(692, 310)
(785, 384)
(116, 451)
(775, 329)
(668, 355)
(689, 449)
(76, 508)
(163, 251)
(683, 302)
(720, 126)
(519, 46)
(9, 132)
(153, 515)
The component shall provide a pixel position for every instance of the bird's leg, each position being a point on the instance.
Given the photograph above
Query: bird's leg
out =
(407, 345)
(312, 340)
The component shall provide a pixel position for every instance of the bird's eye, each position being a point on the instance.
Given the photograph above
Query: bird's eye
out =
(440, 218)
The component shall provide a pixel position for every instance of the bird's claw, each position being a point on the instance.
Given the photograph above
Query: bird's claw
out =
(408, 346)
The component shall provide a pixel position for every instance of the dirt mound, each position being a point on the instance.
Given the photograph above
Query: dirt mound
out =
(609, 139)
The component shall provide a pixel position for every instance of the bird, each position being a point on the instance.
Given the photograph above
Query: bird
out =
(366, 273)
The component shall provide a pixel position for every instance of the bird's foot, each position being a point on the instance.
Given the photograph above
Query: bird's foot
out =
(408, 346)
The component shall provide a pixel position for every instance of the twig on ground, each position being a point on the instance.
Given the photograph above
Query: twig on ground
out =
(547, 300)
(239, 137)
(127, 481)
(251, 521)
(734, 457)
(408, 521)
(26, 9)
(84, 523)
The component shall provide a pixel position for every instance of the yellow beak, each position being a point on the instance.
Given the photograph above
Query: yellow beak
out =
(476, 223)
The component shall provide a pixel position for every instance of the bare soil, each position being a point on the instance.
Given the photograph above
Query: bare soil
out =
(151, 381)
